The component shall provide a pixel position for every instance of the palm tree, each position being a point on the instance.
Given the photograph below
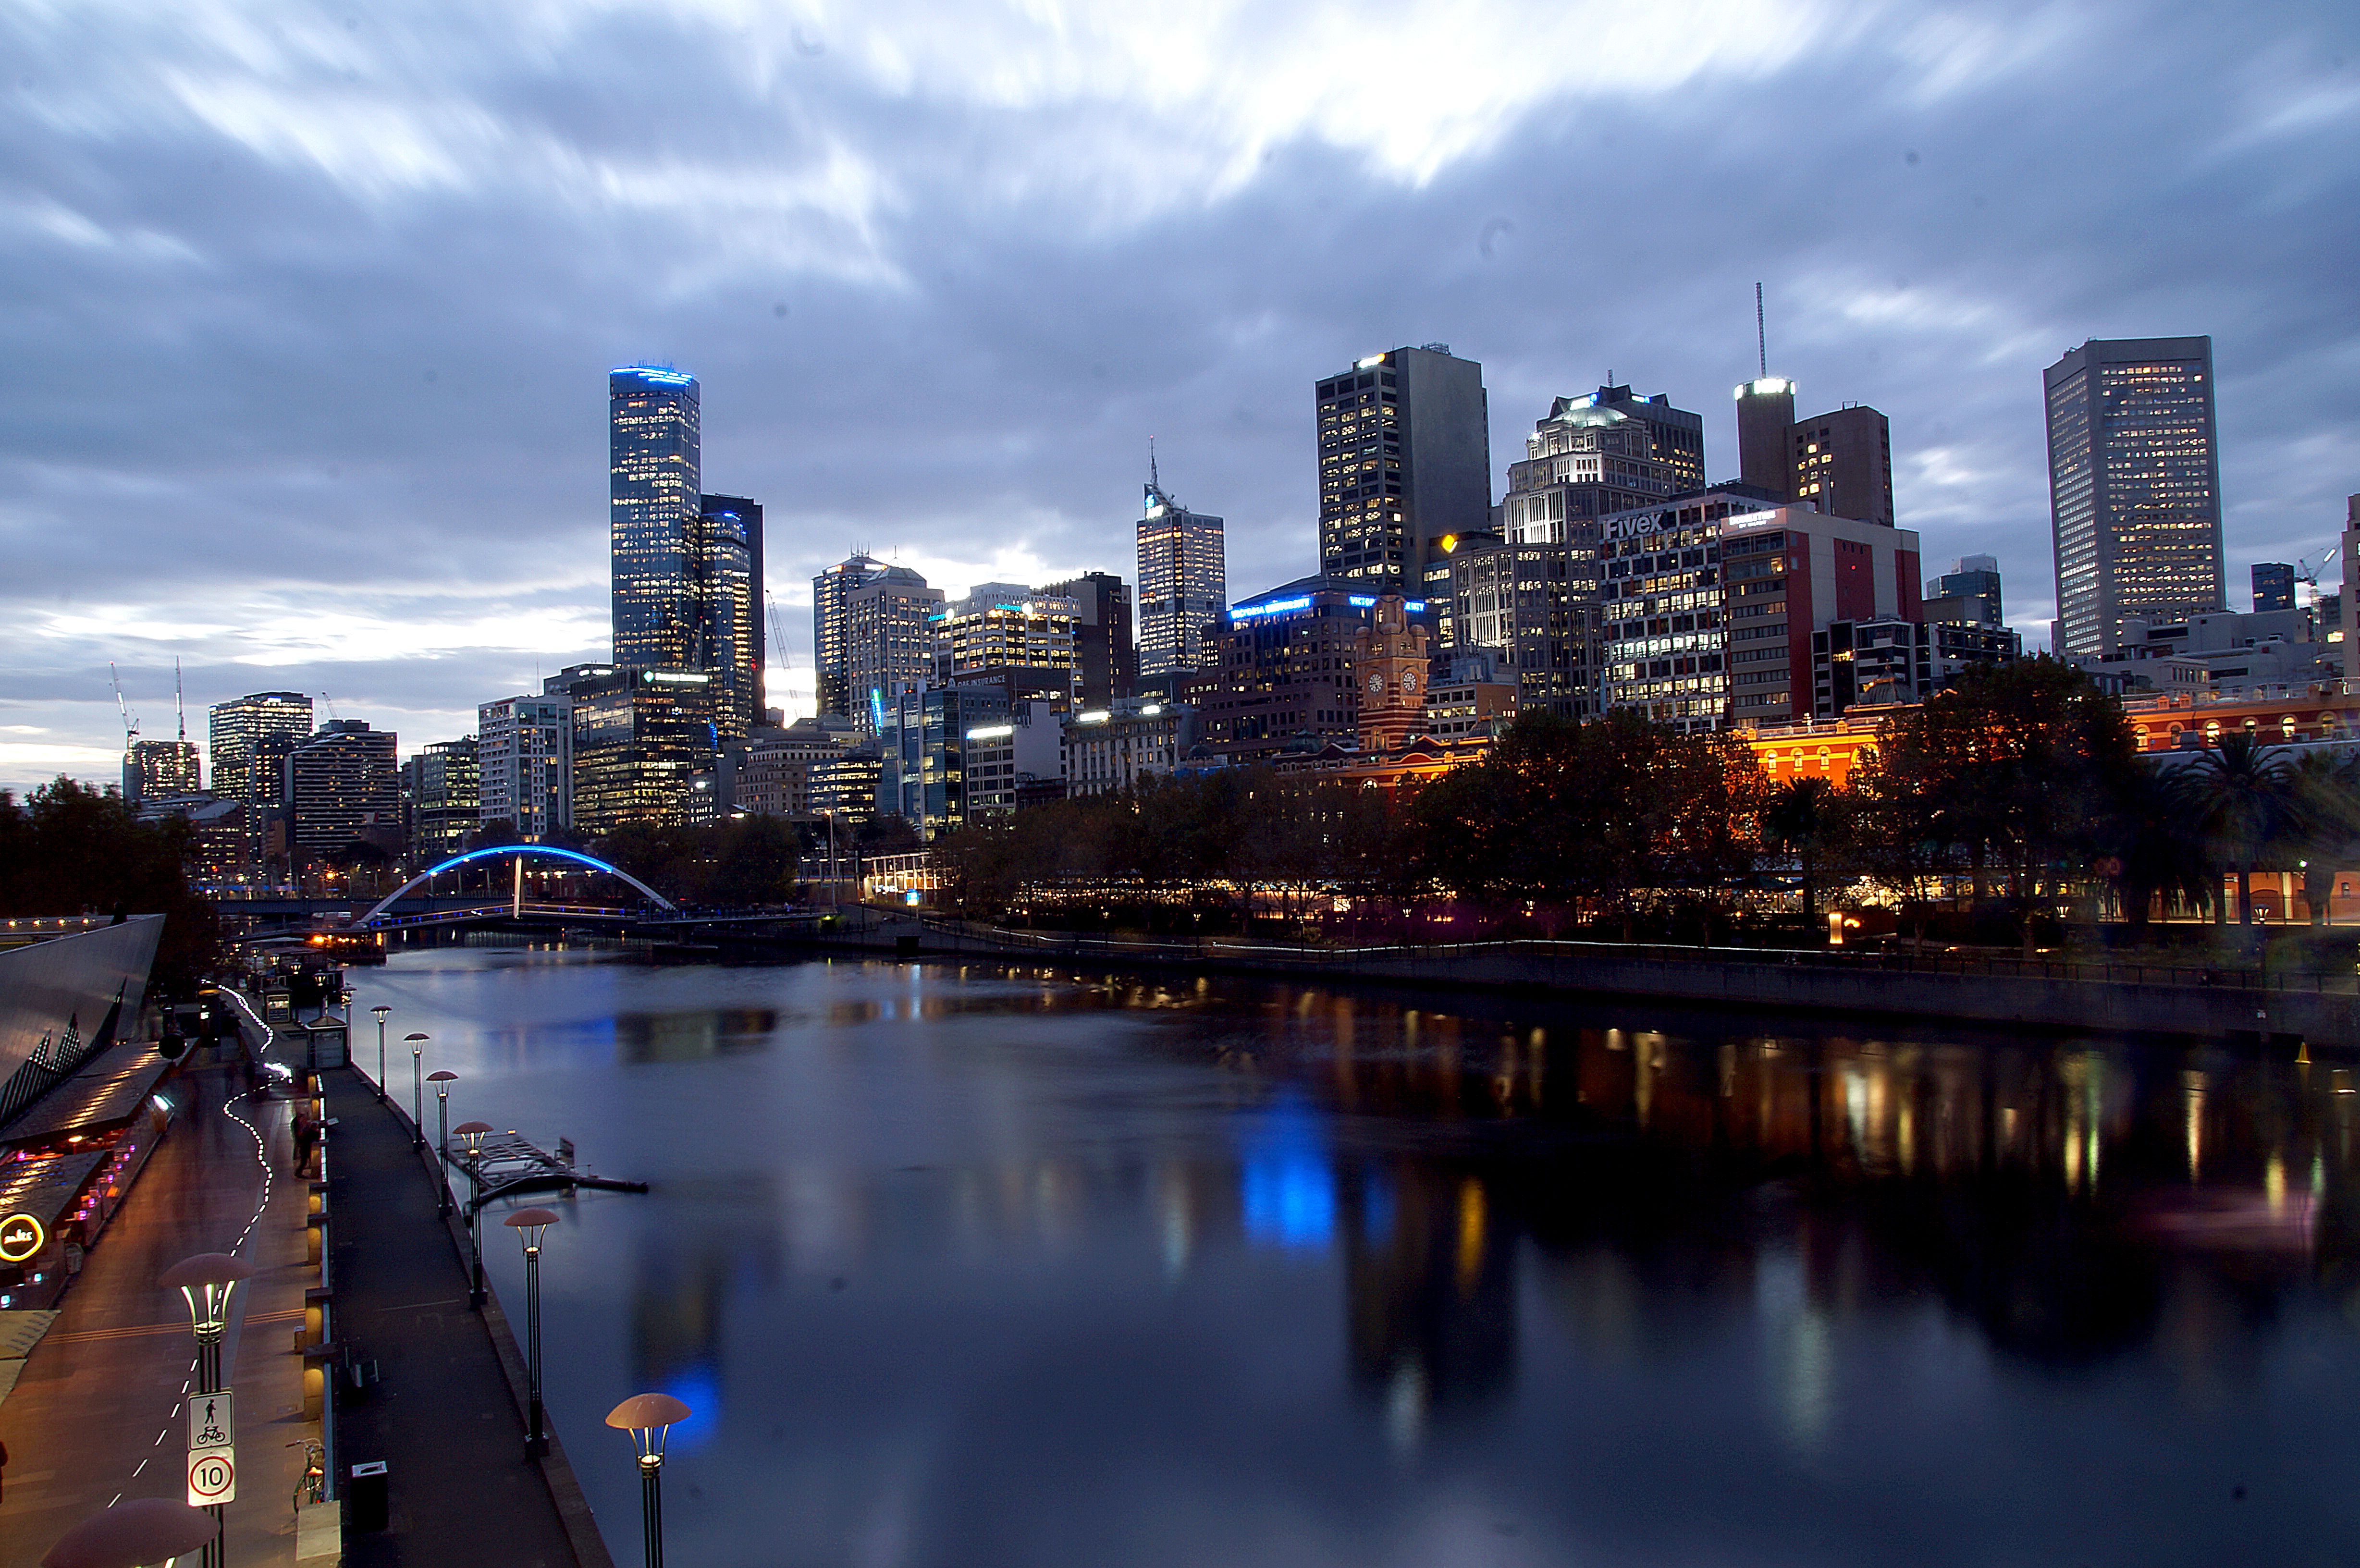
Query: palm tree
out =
(1800, 819)
(2236, 798)
(2323, 822)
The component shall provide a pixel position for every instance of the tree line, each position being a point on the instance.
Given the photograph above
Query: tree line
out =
(74, 849)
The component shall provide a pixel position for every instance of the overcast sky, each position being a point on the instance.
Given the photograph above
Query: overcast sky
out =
(309, 307)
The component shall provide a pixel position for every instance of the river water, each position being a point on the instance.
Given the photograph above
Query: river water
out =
(972, 1267)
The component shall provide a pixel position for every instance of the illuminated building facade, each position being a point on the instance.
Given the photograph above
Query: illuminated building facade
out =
(343, 787)
(1284, 676)
(1106, 659)
(1678, 435)
(924, 747)
(251, 737)
(638, 736)
(160, 769)
(1008, 632)
(443, 789)
(1391, 659)
(1405, 460)
(653, 444)
(1766, 426)
(888, 640)
(1844, 463)
(1582, 463)
(1535, 610)
(1184, 585)
(730, 645)
(831, 630)
(1011, 760)
(1110, 749)
(524, 753)
(2134, 487)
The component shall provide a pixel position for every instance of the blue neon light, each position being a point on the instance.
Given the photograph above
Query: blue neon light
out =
(1274, 608)
(590, 860)
(1362, 602)
(655, 373)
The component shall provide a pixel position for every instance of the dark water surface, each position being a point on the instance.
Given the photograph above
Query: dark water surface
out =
(1057, 1268)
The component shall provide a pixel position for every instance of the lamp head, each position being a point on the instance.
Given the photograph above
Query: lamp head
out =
(441, 1075)
(647, 1417)
(380, 1010)
(414, 1039)
(529, 1224)
(205, 1282)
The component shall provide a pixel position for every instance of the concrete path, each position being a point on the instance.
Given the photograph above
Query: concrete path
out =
(94, 1415)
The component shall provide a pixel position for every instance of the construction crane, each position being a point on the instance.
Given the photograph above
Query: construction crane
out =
(778, 633)
(130, 725)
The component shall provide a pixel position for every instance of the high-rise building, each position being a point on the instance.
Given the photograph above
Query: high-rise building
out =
(1967, 594)
(1678, 434)
(1405, 460)
(639, 735)
(1006, 634)
(888, 638)
(444, 786)
(655, 454)
(924, 742)
(1283, 676)
(252, 737)
(524, 751)
(1533, 609)
(730, 645)
(1184, 585)
(160, 769)
(1765, 431)
(343, 788)
(831, 630)
(1844, 463)
(1581, 461)
(1105, 657)
(2134, 487)
(2272, 585)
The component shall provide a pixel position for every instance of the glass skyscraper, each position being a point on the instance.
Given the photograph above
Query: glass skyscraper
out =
(1184, 585)
(653, 471)
(728, 580)
(2134, 487)
(1405, 460)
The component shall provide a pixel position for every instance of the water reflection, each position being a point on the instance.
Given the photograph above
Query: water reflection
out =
(1060, 1267)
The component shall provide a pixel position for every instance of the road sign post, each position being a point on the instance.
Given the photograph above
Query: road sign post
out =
(212, 1477)
(212, 1422)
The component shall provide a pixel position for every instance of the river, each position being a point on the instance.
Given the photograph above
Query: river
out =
(1068, 1270)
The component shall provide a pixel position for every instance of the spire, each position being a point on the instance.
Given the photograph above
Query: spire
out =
(179, 702)
(1154, 482)
(1761, 332)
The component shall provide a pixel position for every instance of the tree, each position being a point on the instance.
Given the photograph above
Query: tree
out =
(2324, 824)
(74, 849)
(1803, 817)
(2236, 798)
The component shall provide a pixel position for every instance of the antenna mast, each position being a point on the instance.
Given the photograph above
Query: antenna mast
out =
(1761, 332)
(1154, 481)
(179, 704)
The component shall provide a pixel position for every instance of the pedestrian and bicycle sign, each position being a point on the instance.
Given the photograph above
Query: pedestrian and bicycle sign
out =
(212, 1477)
(212, 1422)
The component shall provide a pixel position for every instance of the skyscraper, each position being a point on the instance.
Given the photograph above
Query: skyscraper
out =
(1678, 434)
(729, 641)
(343, 787)
(879, 622)
(1844, 463)
(252, 737)
(2272, 585)
(1104, 654)
(2134, 486)
(831, 591)
(1582, 463)
(159, 769)
(1405, 459)
(653, 446)
(524, 748)
(1765, 430)
(1184, 584)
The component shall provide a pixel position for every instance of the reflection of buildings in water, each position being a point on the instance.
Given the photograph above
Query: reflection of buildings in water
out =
(694, 1035)
(1430, 1279)
(720, 1231)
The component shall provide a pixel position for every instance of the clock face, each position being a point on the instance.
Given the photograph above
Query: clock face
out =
(1376, 684)
(1409, 681)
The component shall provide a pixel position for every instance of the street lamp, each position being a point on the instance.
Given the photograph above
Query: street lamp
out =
(417, 1090)
(443, 1078)
(647, 1417)
(379, 1012)
(205, 1282)
(145, 1531)
(472, 1134)
(528, 1225)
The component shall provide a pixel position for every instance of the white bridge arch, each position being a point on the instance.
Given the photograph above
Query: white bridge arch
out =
(518, 850)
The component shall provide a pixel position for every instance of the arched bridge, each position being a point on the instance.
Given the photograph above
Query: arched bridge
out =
(514, 907)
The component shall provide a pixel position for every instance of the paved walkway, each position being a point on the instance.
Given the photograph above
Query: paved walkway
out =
(94, 1416)
(442, 1418)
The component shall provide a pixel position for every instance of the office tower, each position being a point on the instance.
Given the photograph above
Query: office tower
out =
(924, 738)
(1533, 610)
(639, 735)
(1282, 677)
(343, 788)
(2134, 486)
(1006, 634)
(2272, 585)
(830, 656)
(1842, 463)
(1405, 460)
(1104, 655)
(653, 446)
(444, 786)
(159, 769)
(888, 639)
(251, 738)
(524, 752)
(730, 645)
(1678, 434)
(1581, 461)
(1765, 429)
(1967, 594)
(1184, 584)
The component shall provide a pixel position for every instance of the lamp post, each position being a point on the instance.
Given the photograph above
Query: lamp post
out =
(132, 1535)
(379, 1012)
(205, 1282)
(443, 1078)
(472, 1134)
(528, 1225)
(417, 1088)
(647, 1417)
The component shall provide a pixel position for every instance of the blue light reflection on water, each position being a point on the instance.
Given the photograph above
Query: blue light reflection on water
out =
(1288, 1191)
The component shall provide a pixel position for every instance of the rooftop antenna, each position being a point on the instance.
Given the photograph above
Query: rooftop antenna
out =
(1154, 481)
(1761, 332)
(179, 704)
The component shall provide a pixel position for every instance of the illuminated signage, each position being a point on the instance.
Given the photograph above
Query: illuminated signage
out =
(1768, 386)
(991, 732)
(21, 1238)
(652, 373)
(1274, 606)
(1094, 717)
(1369, 364)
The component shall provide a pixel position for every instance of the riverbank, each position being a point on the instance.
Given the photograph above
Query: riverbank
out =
(2182, 999)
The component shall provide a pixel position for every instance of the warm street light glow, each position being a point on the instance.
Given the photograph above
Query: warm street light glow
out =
(205, 1282)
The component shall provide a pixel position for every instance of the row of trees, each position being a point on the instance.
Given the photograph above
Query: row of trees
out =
(74, 849)
(2023, 785)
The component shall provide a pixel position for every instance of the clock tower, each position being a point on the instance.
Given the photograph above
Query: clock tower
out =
(1390, 661)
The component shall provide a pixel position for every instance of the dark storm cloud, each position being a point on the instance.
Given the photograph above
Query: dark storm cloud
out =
(309, 311)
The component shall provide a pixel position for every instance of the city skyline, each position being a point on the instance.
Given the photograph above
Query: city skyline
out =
(452, 419)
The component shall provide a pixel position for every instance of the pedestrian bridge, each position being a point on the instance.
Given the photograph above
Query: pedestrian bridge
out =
(381, 917)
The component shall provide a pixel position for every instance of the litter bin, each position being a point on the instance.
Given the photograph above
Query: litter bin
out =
(366, 1495)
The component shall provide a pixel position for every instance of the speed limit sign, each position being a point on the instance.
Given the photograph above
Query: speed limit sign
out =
(212, 1477)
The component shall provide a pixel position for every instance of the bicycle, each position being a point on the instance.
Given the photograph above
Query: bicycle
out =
(313, 1487)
